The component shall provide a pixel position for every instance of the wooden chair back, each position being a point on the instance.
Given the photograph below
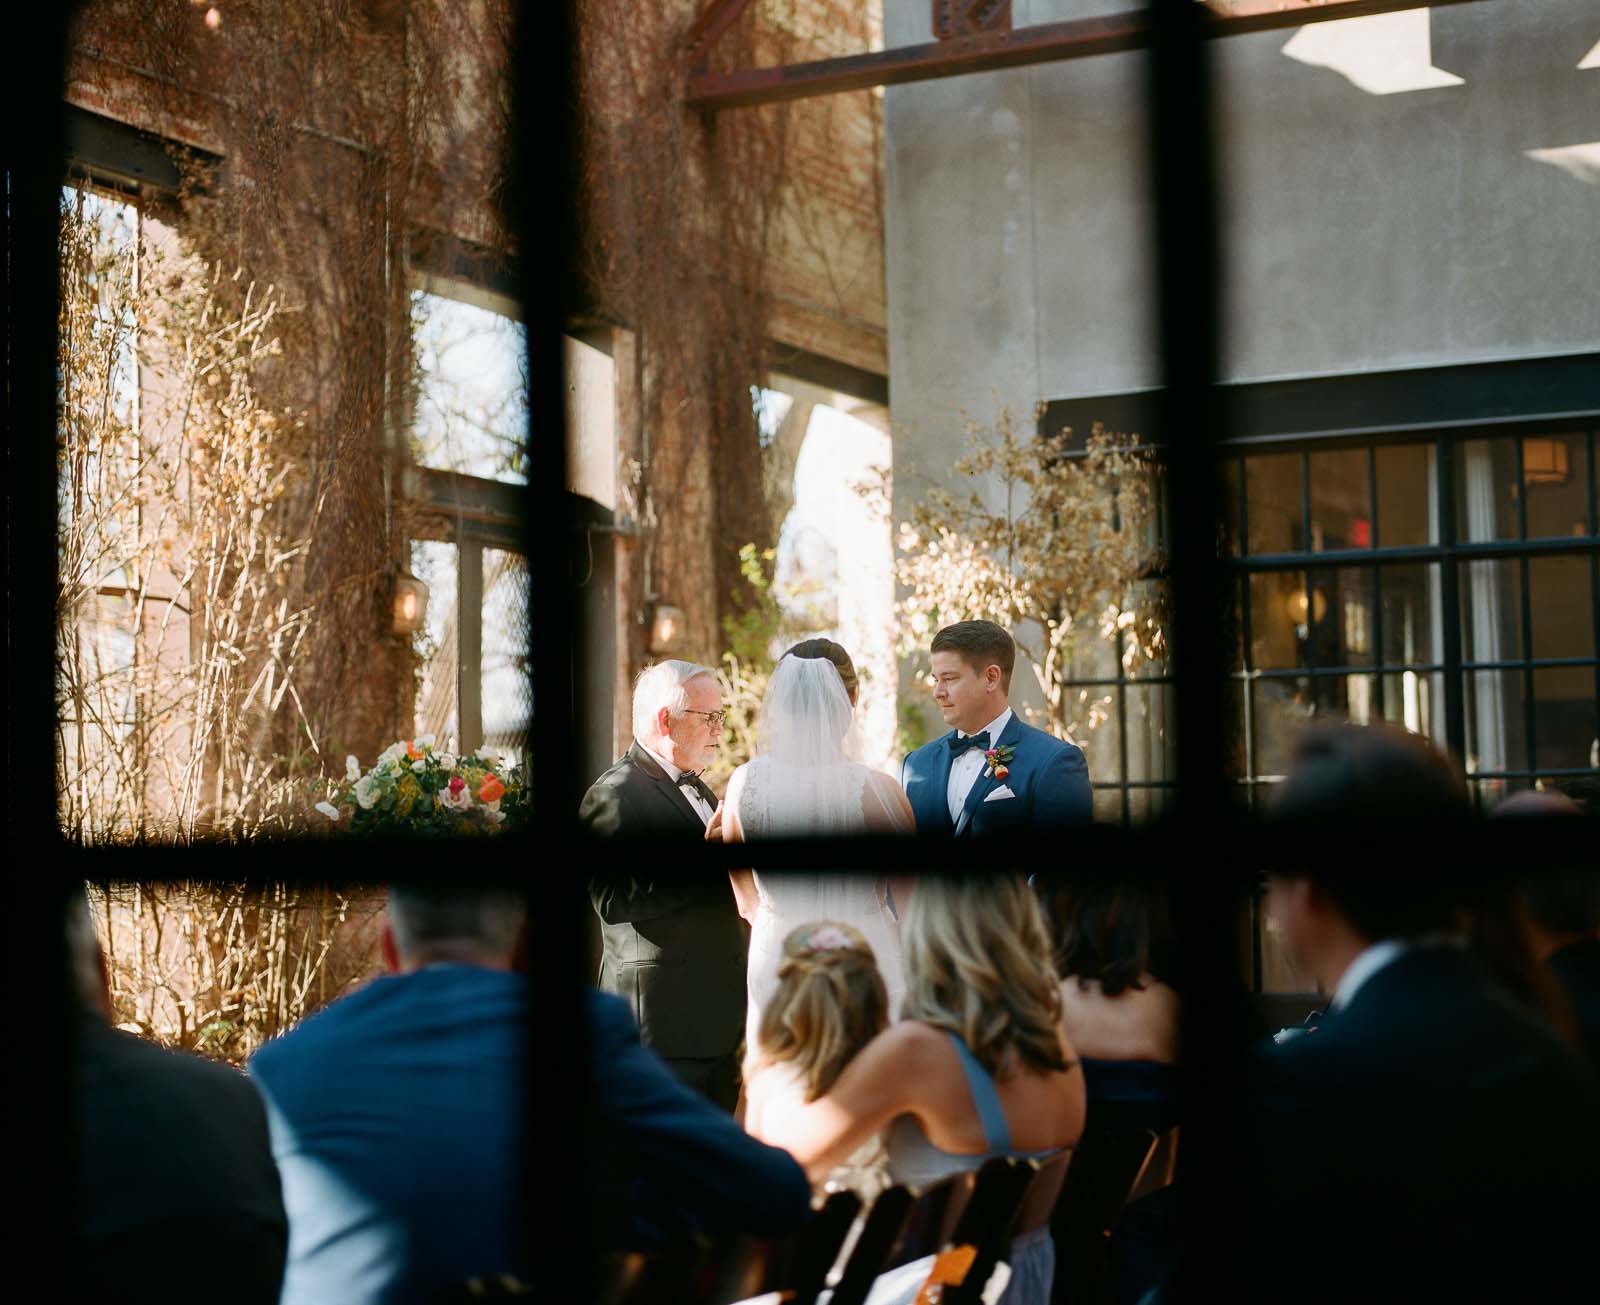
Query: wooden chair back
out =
(986, 1222)
(931, 1221)
(1106, 1163)
(870, 1254)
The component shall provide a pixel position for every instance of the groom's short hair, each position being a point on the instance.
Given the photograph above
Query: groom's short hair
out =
(979, 644)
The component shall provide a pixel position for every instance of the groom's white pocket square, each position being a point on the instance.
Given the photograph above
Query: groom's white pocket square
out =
(999, 794)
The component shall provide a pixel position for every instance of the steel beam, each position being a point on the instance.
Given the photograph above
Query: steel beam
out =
(1046, 43)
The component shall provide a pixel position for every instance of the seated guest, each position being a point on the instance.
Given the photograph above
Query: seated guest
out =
(397, 1111)
(830, 1002)
(977, 1066)
(1435, 1139)
(1115, 940)
(667, 1160)
(173, 1159)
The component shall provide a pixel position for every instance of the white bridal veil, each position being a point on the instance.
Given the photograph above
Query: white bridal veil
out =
(802, 780)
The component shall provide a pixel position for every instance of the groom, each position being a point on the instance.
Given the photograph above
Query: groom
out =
(1035, 781)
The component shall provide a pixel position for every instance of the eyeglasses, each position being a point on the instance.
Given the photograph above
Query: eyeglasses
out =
(715, 717)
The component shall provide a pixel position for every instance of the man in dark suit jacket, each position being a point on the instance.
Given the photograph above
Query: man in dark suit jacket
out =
(172, 1155)
(397, 1112)
(674, 947)
(1430, 1138)
(668, 1161)
(1032, 781)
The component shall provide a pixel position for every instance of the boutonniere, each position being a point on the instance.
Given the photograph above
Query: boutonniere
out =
(999, 760)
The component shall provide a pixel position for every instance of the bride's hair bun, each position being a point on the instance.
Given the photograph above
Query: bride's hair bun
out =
(827, 650)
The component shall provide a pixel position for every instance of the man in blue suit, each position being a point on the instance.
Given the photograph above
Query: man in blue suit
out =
(991, 773)
(396, 1112)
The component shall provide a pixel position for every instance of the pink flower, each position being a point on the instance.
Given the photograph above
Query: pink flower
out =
(456, 784)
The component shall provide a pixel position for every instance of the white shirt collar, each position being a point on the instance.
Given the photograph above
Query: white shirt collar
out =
(994, 728)
(672, 771)
(1368, 963)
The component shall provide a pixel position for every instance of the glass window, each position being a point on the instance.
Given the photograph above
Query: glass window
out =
(472, 398)
(1407, 515)
(1273, 504)
(1557, 489)
(1486, 490)
(507, 704)
(1341, 500)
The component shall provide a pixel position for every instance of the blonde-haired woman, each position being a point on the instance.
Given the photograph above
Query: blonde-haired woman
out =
(830, 1002)
(978, 1065)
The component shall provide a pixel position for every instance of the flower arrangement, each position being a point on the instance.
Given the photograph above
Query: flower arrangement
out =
(413, 788)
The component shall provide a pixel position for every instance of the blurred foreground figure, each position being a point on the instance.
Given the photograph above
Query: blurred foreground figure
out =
(1431, 1139)
(1561, 909)
(396, 1112)
(178, 1197)
(667, 1161)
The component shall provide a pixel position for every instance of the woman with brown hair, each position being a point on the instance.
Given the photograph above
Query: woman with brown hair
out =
(829, 1004)
(978, 1065)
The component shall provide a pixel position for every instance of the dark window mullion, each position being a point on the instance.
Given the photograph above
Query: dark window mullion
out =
(1530, 743)
(1248, 683)
(1122, 727)
(1455, 727)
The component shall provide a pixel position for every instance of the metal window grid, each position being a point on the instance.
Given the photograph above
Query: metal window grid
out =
(1208, 891)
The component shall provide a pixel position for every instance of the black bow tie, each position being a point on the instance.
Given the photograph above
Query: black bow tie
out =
(687, 780)
(958, 745)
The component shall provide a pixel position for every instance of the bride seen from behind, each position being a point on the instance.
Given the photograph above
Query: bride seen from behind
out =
(801, 782)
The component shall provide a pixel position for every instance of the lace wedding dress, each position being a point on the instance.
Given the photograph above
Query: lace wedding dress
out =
(802, 783)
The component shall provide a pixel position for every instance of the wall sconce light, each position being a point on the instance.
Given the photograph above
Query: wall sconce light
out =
(410, 604)
(667, 626)
(1545, 462)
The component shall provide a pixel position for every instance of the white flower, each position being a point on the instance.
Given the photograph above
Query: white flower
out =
(461, 801)
(366, 793)
(492, 813)
(391, 753)
(329, 810)
(419, 765)
(490, 754)
(424, 741)
(447, 760)
(352, 768)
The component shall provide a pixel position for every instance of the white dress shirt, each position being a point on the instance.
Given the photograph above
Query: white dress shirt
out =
(966, 768)
(1368, 963)
(695, 800)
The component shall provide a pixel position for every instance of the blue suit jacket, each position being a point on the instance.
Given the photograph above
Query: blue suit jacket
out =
(396, 1122)
(1049, 778)
(666, 1158)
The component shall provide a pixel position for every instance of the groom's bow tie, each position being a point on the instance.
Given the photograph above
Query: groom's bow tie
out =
(687, 780)
(958, 745)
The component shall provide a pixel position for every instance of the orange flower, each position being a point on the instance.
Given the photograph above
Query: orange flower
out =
(411, 751)
(491, 790)
(1000, 772)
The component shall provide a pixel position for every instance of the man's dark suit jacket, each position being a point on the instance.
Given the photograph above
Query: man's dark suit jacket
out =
(1431, 1141)
(178, 1196)
(397, 1116)
(1047, 775)
(674, 945)
(1577, 966)
(666, 1159)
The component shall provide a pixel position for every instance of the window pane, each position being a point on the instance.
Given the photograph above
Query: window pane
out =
(1491, 611)
(472, 400)
(1281, 709)
(1273, 504)
(1148, 804)
(1561, 607)
(1279, 973)
(507, 704)
(435, 643)
(1496, 734)
(1341, 512)
(1411, 614)
(1149, 750)
(1486, 490)
(1552, 467)
(1108, 805)
(1278, 620)
(1415, 701)
(1341, 617)
(1230, 502)
(1564, 713)
(1094, 730)
(1404, 477)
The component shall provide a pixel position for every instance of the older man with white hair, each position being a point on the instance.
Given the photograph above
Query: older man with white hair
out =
(674, 945)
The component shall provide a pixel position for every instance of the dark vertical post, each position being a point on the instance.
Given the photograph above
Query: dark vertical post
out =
(1455, 720)
(34, 167)
(544, 199)
(1186, 263)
